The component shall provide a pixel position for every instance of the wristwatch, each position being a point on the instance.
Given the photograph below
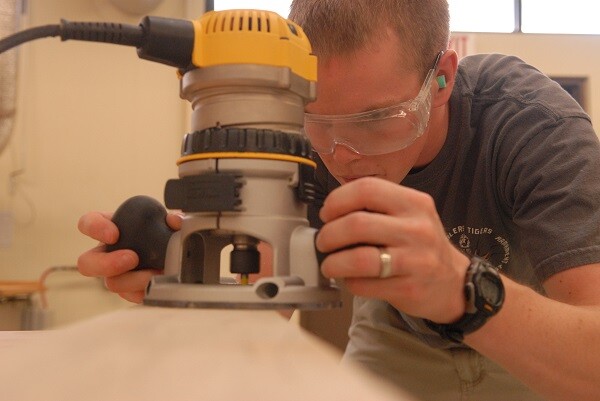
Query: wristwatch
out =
(484, 293)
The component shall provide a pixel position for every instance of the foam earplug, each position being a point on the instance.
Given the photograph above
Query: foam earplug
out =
(441, 79)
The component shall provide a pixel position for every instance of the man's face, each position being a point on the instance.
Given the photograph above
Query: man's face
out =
(368, 79)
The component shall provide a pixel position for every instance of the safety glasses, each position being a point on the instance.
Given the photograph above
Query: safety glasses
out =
(374, 132)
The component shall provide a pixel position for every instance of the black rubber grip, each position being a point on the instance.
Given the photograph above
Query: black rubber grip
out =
(143, 228)
(104, 32)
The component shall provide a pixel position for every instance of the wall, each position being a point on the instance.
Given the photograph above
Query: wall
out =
(95, 126)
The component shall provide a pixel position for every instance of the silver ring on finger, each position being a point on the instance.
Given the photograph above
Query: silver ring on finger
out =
(385, 262)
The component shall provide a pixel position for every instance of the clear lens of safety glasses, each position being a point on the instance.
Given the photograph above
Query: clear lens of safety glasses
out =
(373, 132)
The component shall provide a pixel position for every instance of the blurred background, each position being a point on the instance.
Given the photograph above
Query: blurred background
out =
(84, 126)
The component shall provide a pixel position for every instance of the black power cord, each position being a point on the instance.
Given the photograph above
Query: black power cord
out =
(27, 35)
(164, 40)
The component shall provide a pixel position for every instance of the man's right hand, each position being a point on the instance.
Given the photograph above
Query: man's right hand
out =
(115, 266)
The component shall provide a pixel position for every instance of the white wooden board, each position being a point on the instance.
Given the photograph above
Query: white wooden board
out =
(150, 353)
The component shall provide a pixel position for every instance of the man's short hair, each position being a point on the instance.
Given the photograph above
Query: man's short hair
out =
(336, 27)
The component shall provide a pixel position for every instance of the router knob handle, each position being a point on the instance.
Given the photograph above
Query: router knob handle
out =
(143, 228)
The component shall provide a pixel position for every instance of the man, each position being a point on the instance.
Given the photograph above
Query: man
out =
(448, 173)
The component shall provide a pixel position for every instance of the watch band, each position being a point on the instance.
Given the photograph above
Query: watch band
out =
(484, 295)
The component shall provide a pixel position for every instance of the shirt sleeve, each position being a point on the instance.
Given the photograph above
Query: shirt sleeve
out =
(550, 181)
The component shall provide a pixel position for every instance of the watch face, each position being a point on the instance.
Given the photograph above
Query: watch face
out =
(490, 290)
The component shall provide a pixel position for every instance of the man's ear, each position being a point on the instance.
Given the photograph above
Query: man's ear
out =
(447, 67)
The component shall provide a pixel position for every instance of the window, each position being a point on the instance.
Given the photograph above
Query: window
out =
(279, 6)
(558, 16)
(482, 16)
(528, 16)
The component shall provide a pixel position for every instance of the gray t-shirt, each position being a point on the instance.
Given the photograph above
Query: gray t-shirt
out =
(517, 182)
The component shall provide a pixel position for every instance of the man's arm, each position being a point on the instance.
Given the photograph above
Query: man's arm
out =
(551, 344)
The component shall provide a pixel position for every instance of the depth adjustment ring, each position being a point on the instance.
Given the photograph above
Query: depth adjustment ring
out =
(246, 140)
(190, 193)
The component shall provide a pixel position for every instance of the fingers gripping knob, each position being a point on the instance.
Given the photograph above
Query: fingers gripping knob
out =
(143, 228)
